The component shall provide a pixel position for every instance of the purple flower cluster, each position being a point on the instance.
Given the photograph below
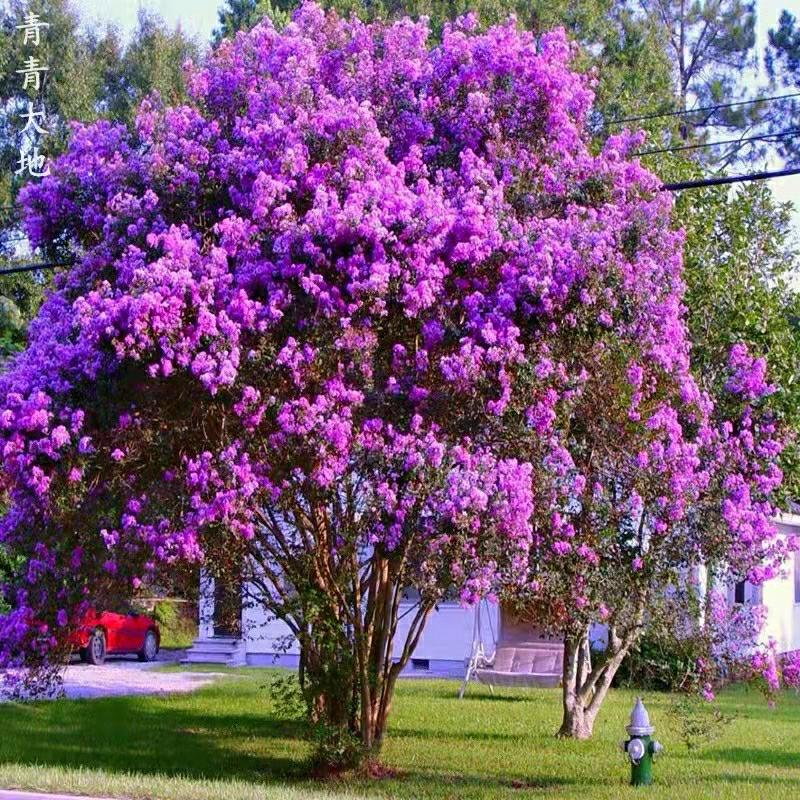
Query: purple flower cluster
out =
(384, 289)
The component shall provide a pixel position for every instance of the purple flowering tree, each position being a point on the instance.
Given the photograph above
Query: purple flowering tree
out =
(366, 316)
(649, 480)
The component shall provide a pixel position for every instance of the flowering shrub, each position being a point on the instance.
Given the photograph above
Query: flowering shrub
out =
(789, 664)
(368, 315)
(693, 645)
(728, 644)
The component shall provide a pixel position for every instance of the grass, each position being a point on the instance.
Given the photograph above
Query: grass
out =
(225, 743)
(177, 622)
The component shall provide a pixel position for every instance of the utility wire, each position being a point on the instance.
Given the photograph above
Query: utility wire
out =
(701, 109)
(721, 143)
(723, 180)
(677, 186)
(35, 267)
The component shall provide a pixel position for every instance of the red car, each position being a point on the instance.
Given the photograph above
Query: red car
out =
(109, 633)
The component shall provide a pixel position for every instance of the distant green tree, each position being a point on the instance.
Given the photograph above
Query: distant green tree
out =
(741, 261)
(90, 74)
(241, 15)
(153, 61)
(20, 297)
(68, 88)
(783, 65)
(711, 46)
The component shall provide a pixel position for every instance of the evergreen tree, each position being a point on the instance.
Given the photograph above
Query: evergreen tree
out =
(90, 74)
(241, 15)
(783, 66)
(153, 61)
(711, 45)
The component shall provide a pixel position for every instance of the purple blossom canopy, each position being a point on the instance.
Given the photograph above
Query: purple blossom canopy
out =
(384, 281)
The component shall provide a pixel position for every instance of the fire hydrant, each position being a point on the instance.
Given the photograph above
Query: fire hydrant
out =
(640, 748)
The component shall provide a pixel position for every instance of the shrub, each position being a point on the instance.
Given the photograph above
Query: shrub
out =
(177, 622)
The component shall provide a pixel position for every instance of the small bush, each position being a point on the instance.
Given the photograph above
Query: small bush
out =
(287, 695)
(177, 622)
(660, 663)
(699, 722)
(335, 750)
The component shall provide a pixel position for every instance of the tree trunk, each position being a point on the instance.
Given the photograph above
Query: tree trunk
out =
(583, 688)
(386, 669)
(577, 721)
(344, 612)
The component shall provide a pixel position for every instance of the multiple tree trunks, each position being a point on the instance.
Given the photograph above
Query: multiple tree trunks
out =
(343, 607)
(584, 687)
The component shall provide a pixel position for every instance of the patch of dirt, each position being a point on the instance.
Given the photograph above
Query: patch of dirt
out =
(380, 772)
(535, 783)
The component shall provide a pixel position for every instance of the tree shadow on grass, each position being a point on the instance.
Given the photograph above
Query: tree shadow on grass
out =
(186, 736)
(439, 735)
(124, 734)
(417, 783)
(493, 698)
(746, 755)
(771, 783)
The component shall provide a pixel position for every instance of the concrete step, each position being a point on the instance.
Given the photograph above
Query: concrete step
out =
(215, 646)
(216, 650)
(214, 658)
(206, 658)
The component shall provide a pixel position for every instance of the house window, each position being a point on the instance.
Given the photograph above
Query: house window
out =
(797, 576)
(746, 593)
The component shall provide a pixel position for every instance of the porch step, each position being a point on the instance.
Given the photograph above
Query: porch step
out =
(215, 645)
(223, 650)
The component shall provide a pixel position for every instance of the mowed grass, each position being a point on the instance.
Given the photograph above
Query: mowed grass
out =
(225, 742)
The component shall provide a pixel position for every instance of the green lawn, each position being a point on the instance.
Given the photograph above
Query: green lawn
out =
(223, 742)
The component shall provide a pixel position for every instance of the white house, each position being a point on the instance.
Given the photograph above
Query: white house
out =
(447, 641)
(780, 596)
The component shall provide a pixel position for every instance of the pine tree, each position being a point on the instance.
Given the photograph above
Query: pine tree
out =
(783, 66)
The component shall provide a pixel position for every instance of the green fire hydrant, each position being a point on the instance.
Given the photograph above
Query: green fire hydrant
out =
(640, 747)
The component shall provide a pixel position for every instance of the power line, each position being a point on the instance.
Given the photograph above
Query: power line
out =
(724, 180)
(36, 267)
(701, 109)
(721, 143)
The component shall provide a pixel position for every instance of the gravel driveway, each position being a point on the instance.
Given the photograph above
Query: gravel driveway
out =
(130, 677)
(83, 680)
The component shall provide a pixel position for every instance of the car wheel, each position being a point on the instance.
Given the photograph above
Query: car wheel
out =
(96, 648)
(150, 647)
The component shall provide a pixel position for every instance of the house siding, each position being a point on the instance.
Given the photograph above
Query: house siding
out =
(446, 642)
(783, 614)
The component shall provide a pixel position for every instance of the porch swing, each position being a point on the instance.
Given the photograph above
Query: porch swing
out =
(521, 655)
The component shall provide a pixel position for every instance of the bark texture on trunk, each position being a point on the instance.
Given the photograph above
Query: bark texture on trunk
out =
(342, 604)
(577, 723)
(578, 719)
(584, 688)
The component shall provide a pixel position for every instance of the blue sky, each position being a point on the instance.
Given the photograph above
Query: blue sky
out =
(199, 17)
